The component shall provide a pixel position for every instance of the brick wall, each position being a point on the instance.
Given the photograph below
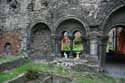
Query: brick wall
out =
(11, 38)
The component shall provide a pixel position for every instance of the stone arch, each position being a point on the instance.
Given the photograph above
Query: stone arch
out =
(39, 39)
(115, 17)
(70, 25)
(7, 43)
(82, 21)
(115, 46)
(77, 30)
(111, 27)
(32, 24)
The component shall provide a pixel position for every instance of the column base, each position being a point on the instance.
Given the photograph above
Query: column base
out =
(93, 59)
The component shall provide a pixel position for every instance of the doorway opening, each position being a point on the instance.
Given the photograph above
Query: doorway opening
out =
(115, 50)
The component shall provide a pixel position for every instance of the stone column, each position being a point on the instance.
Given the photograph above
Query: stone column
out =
(93, 49)
(28, 45)
(102, 51)
(71, 46)
(53, 45)
(93, 46)
(23, 40)
(58, 46)
(88, 46)
(85, 47)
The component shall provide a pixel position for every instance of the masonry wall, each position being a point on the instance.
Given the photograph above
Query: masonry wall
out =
(20, 15)
(13, 39)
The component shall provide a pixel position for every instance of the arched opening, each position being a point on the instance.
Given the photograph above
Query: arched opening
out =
(115, 49)
(40, 40)
(70, 35)
(115, 52)
(7, 49)
(113, 57)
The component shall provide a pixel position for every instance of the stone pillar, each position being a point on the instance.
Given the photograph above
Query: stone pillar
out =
(93, 46)
(102, 51)
(85, 47)
(28, 45)
(53, 44)
(71, 46)
(23, 42)
(58, 46)
(93, 57)
(88, 46)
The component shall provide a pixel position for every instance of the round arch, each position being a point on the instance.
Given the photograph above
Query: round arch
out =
(108, 22)
(70, 24)
(63, 19)
(114, 19)
(111, 27)
(32, 24)
(39, 39)
(77, 30)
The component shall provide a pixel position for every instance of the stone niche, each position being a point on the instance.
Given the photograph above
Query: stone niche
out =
(40, 39)
(9, 43)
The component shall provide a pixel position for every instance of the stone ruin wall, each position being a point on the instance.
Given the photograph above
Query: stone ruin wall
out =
(17, 15)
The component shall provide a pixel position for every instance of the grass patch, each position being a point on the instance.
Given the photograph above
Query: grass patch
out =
(13, 73)
(59, 71)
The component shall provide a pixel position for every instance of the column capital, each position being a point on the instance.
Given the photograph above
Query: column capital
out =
(53, 34)
(95, 34)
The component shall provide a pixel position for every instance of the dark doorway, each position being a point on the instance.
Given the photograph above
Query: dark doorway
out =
(7, 49)
(115, 50)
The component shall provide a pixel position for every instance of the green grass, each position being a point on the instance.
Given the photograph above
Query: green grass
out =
(59, 71)
(13, 73)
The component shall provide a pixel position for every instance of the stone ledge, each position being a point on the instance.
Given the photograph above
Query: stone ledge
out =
(19, 79)
(12, 64)
(56, 79)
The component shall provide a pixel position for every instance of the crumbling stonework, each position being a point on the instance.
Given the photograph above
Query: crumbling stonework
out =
(11, 38)
(22, 15)
(40, 42)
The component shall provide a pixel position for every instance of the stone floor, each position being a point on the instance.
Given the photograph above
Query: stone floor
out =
(115, 69)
